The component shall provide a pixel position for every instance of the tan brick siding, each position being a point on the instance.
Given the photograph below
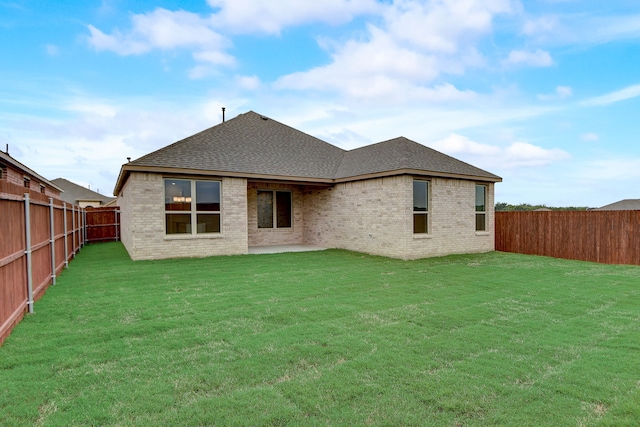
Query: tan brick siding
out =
(143, 220)
(373, 216)
(376, 216)
(275, 236)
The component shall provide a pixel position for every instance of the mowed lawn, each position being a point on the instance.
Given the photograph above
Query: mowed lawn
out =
(327, 338)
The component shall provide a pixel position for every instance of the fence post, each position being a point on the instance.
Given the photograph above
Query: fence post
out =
(52, 241)
(73, 231)
(84, 226)
(27, 229)
(116, 214)
(66, 244)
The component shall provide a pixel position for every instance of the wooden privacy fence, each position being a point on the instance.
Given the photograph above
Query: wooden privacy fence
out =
(102, 224)
(609, 237)
(38, 237)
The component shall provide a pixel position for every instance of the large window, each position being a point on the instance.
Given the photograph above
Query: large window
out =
(481, 207)
(192, 207)
(274, 209)
(420, 207)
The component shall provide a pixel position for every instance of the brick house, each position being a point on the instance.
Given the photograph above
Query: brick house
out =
(252, 181)
(17, 175)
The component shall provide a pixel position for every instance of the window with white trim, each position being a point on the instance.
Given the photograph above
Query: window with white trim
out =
(481, 207)
(192, 206)
(420, 207)
(274, 209)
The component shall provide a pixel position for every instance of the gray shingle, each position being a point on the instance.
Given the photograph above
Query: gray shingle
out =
(402, 153)
(253, 144)
(73, 193)
(622, 205)
(250, 143)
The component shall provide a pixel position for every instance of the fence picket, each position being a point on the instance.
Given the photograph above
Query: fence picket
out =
(608, 237)
(31, 229)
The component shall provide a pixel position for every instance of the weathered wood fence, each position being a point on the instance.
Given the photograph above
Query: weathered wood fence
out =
(38, 238)
(609, 237)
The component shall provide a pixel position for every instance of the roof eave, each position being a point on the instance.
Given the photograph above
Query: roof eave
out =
(127, 169)
(419, 172)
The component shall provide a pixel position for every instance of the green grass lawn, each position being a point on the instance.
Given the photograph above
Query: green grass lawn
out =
(327, 338)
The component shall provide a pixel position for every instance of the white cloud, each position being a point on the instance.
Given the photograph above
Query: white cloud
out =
(542, 25)
(516, 155)
(457, 144)
(248, 82)
(561, 92)
(92, 107)
(400, 58)
(269, 16)
(52, 50)
(617, 96)
(564, 91)
(624, 170)
(537, 58)
(167, 30)
(443, 26)
(92, 141)
(589, 137)
(523, 154)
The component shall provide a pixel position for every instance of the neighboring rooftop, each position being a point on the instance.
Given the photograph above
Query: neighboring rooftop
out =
(8, 160)
(622, 205)
(254, 145)
(77, 194)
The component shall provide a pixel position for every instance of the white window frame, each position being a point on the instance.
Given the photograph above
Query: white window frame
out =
(193, 211)
(274, 225)
(484, 212)
(427, 213)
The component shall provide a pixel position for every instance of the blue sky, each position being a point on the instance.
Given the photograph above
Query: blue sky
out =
(544, 93)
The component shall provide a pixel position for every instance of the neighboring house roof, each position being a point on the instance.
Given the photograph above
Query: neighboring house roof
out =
(7, 159)
(253, 145)
(622, 205)
(74, 193)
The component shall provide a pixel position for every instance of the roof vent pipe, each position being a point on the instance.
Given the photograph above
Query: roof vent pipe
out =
(223, 114)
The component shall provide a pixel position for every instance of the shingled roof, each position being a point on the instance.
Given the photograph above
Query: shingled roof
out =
(622, 205)
(253, 145)
(74, 193)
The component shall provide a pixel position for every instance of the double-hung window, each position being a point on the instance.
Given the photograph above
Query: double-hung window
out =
(191, 206)
(420, 207)
(481, 207)
(274, 209)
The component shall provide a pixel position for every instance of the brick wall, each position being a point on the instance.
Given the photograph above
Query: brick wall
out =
(373, 216)
(275, 236)
(376, 216)
(141, 203)
(16, 177)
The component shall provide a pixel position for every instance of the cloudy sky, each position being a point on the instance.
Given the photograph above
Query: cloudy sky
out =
(545, 93)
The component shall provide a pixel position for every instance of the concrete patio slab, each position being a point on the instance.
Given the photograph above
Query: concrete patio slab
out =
(276, 249)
